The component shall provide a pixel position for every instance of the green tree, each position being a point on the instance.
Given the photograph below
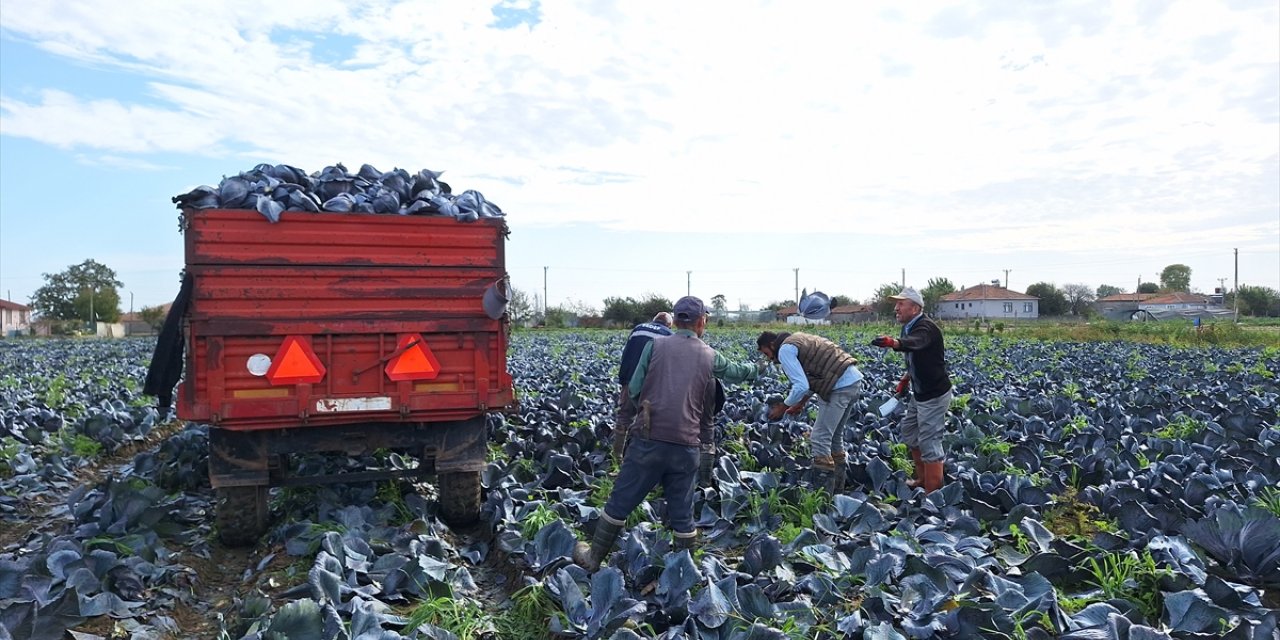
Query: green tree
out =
(880, 300)
(1259, 301)
(842, 301)
(934, 291)
(520, 308)
(1105, 290)
(1052, 301)
(778, 304)
(719, 305)
(621, 310)
(558, 317)
(153, 316)
(652, 305)
(1176, 277)
(73, 293)
(1079, 298)
(629, 311)
(1148, 287)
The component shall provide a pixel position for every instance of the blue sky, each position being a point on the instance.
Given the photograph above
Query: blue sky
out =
(653, 147)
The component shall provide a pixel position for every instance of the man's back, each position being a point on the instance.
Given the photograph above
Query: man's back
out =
(679, 388)
(640, 336)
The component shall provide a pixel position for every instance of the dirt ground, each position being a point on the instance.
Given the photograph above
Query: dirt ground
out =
(215, 585)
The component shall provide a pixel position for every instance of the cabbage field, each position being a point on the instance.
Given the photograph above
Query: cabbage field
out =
(1094, 490)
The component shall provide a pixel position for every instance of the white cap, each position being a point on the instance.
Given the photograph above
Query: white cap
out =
(910, 293)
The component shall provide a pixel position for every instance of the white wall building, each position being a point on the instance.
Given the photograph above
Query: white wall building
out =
(987, 301)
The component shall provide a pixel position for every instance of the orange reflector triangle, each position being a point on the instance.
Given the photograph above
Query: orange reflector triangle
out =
(415, 362)
(295, 363)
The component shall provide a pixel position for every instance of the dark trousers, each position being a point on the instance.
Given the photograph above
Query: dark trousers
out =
(647, 464)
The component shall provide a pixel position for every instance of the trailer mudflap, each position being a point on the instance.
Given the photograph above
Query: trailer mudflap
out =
(462, 448)
(238, 458)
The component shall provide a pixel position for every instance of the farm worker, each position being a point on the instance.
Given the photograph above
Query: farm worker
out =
(641, 335)
(669, 405)
(817, 366)
(723, 369)
(928, 384)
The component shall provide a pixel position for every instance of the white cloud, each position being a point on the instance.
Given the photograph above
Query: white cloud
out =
(1080, 124)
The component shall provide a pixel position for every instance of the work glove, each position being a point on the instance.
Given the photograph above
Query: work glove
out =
(762, 367)
(903, 385)
(776, 410)
(885, 342)
(706, 463)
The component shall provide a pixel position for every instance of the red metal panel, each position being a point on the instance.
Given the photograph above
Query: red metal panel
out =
(351, 283)
(353, 372)
(294, 293)
(235, 236)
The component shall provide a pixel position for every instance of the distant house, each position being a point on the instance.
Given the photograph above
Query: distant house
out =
(1160, 306)
(15, 319)
(1121, 306)
(134, 325)
(1176, 301)
(848, 314)
(987, 301)
(782, 314)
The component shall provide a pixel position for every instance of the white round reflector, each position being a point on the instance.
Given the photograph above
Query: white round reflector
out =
(258, 364)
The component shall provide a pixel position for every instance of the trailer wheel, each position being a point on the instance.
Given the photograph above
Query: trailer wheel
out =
(459, 497)
(241, 515)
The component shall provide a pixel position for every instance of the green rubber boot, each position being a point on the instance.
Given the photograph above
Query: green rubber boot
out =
(589, 556)
(684, 541)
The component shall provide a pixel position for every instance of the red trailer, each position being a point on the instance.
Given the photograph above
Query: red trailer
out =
(342, 332)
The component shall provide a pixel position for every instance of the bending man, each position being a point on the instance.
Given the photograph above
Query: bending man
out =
(816, 365)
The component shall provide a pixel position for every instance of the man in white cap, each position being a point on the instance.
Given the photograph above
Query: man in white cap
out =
(927, 381)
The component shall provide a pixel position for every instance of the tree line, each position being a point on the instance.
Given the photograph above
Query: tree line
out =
(1072, 299)
(91, 291)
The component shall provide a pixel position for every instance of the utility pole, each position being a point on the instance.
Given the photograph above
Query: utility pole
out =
(797, 270)
(130, 302)
(544, 293)
(904, 277)
(1236, 296)
(688, 283)
(1006, 278)
(93, 321)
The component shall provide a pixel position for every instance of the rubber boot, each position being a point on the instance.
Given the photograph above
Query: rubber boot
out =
(918, 461)
(838, 479)
(684, 541)
(589, 556)
(931, 478)
(820, 468)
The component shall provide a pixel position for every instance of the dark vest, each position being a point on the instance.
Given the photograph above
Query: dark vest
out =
(640, 336)
(823, 361)
(675, 389)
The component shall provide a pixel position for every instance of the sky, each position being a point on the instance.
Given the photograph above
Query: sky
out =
(736, 148)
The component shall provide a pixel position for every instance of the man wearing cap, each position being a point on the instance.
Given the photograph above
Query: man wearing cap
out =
(929, 385)
(641, 335)
(669, 405)
(817, 366)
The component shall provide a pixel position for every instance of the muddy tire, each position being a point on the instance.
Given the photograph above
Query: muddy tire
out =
(459, 497)
(241, 515)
